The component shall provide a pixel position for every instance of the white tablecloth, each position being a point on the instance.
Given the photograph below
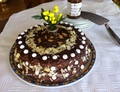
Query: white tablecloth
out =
(105, 74)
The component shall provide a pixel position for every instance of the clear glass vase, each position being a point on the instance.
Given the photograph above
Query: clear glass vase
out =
(52, 28)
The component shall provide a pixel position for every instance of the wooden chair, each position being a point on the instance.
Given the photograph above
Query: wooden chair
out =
(29, 3)
(2, 24)
(43, 1)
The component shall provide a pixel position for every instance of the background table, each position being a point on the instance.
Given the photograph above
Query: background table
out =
(105, 74)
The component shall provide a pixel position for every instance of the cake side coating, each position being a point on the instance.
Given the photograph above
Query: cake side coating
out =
(52, 57)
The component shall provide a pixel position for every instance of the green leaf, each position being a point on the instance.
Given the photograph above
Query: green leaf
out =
(61, 19)
(42, 10)
(37, 17)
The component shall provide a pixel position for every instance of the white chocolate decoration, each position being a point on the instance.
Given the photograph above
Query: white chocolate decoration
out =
(26, 51)
(19, 37)
(76, 27)
(66, 22)
(71, 24)
(72, 54)
(22, 33)
(81, 47)
(54, 57)
(22, 46)
(53, 68)
(84, 38)
(31, 27)
(25, 30)
(44, 57)
(83, 42)
(61, 22)
(36, 25)
(82, 33)
(20, 42)
(65, 56)
(34, 55)
(79, 30)
(82, 67)
(78, 50)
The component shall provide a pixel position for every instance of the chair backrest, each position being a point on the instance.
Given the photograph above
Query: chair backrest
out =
(32, 3)
(44, 1)
(2, 24)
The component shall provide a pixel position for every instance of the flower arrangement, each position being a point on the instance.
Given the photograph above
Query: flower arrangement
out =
(51, 17)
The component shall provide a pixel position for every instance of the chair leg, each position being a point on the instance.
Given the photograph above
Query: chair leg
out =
(2, 24)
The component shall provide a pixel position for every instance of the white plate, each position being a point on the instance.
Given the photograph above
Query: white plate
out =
(80, 22)
(51, 85)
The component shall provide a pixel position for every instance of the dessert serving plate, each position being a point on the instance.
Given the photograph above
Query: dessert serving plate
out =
(65, 83)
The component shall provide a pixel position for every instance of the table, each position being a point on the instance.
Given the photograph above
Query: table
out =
(105, 74)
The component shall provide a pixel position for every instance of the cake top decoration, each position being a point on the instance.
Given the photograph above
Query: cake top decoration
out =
(51, 17)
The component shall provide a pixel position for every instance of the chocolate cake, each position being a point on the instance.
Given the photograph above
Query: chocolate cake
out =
(52, 56)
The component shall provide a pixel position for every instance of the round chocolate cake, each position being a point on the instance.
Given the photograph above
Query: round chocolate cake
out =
(52, 56)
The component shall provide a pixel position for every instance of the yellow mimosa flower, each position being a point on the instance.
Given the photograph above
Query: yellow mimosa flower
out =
(50, 19)
(55, 10)
(56, 7)
(60, 15)
(53, 22)
(51, 14)
(46, 12)
(53, 18)
(46, 17)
